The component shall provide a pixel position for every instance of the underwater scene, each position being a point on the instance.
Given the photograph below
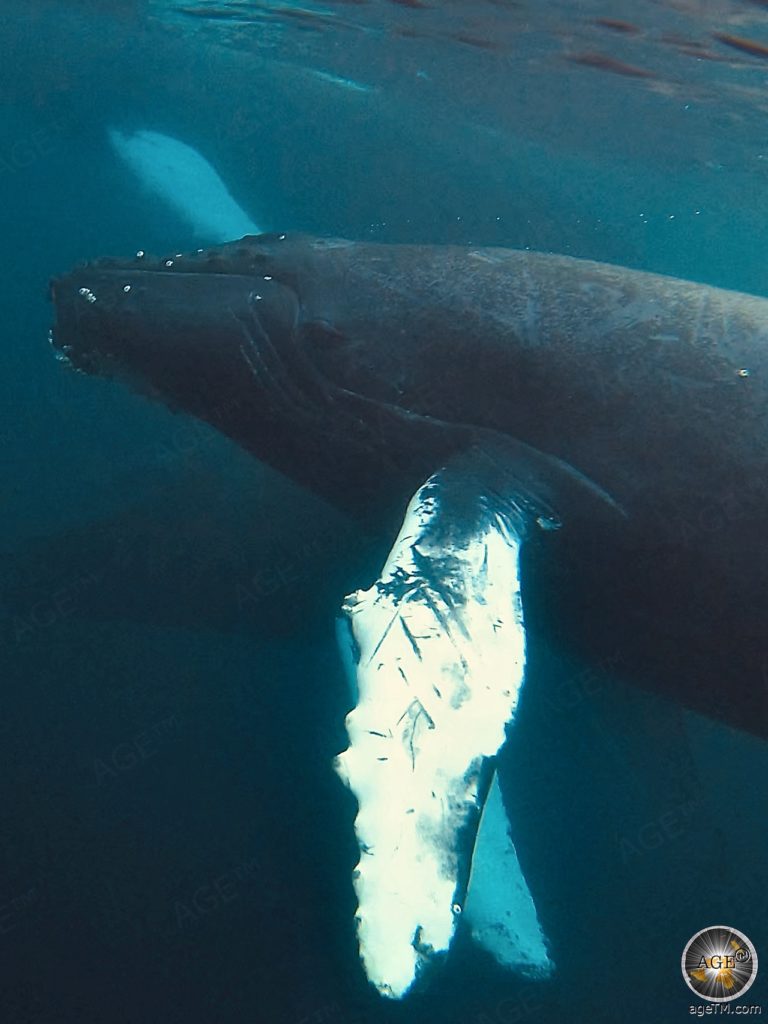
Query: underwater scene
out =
(384, 551)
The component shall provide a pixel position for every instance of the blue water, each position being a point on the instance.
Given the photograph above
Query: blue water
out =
(174, 844)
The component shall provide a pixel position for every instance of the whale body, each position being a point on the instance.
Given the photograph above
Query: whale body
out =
(637, 403)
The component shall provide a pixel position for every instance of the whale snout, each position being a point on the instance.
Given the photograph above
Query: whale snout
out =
(193, 329)
(141, 312)
(145, 314)
(91, 311)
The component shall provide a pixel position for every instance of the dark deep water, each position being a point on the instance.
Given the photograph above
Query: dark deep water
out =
(174, 844)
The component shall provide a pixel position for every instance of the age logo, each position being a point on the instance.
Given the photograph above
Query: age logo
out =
(719, 963)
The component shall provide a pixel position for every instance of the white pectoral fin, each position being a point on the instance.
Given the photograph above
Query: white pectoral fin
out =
(184, 179)
(439, 644)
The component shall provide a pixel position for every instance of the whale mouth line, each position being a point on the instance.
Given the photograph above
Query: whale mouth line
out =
(140, 272)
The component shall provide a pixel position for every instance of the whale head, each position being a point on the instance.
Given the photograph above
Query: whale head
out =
(229, 335)
(157, 319)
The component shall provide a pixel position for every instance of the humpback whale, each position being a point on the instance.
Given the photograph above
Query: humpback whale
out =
(559, 447)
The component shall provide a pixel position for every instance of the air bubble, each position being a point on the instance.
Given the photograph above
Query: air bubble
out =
(169, 263)
(744, 372)
(126, 287)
